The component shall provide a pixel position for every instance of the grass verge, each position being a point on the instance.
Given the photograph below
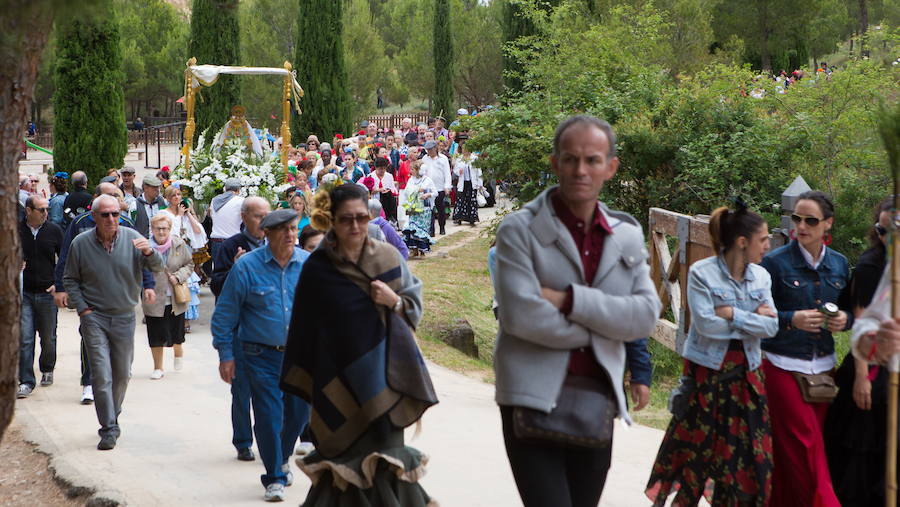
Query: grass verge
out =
(457, 285)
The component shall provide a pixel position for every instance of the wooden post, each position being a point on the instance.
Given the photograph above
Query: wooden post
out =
(190, 124)
(285, 119)
(890, 482)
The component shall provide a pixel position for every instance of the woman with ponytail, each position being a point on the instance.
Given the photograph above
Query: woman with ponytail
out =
(718, 442)
(807, 279)
(363, 376)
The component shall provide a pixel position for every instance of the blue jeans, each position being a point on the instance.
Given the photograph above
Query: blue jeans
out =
(280, 417)
(242, 432)
(38, 316)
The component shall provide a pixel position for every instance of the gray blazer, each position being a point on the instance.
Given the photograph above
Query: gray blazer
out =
(534, 250)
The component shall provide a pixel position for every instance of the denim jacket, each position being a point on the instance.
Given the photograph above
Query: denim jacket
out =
(710, 285)
(797, 286)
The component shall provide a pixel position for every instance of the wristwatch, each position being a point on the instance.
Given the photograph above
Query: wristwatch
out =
(398, 305)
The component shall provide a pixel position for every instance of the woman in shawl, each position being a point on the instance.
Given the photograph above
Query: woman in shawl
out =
(364, 377)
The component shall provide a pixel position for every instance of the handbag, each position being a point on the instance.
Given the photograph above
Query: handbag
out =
(582, 417)
(180, 293)
(816, 388)
(480, 199)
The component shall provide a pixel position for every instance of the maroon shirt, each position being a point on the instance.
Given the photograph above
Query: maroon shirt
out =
(590, 248)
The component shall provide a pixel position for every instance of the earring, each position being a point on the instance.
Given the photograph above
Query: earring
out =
(827, 239)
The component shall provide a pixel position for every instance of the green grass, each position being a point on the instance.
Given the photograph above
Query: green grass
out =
(458, 286)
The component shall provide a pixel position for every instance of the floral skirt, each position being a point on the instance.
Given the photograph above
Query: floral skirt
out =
(722, 447)
(466, 205)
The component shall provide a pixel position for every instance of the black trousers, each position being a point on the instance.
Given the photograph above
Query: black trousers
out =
(551, 475)
(440, 211)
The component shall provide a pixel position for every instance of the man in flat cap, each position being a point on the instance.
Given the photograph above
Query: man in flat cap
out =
(253, 312)
(225, 211)
(147, 205)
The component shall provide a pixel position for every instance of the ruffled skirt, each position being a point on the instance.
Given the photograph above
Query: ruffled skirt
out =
(377, 471)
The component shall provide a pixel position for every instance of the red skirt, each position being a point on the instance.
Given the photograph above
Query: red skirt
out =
(801, 464)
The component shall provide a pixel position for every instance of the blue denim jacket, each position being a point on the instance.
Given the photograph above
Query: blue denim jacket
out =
(797, 286)
(710, 285)
(256, 302)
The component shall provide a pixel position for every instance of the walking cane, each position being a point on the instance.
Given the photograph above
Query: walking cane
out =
(889, 127)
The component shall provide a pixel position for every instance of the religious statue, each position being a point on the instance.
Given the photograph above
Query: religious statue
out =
(239, 128)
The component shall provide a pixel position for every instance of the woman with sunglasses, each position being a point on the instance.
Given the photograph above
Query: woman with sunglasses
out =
(855, 426)
(807, 281)
(363, 386)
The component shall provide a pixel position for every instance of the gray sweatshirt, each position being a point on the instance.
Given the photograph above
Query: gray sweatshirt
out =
(107, 282)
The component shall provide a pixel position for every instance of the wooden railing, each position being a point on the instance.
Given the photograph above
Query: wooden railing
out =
(392, 121)
(669, 270)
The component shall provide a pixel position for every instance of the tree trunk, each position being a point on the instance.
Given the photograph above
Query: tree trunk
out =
(24, 38)
(765, 59)
(863, 18)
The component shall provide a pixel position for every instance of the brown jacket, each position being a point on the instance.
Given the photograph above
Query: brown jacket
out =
(180, 264)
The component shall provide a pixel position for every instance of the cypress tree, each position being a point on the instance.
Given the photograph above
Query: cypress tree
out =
(516, 23)
(443, 60)
(319, 61)
(215, 40)
(89, 103)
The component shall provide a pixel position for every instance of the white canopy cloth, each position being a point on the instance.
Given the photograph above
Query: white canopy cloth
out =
(207, 75)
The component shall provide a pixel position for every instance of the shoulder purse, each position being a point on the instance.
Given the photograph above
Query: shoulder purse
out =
(818, 388)
(583, 416)
(180, 293)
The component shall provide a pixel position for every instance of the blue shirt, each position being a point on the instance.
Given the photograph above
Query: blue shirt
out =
(710, 285)
(256, 302)
(56, 208)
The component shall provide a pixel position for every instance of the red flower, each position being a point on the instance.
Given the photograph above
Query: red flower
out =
(723, 450)
(747, 482)
(699, 436)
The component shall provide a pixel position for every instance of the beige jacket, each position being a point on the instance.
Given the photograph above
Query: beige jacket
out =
(534, 250)
(180, 264)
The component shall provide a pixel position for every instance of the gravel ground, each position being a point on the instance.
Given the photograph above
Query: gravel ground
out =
(25, 480)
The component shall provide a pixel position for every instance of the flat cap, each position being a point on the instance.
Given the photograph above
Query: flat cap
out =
(127, 169)
(430, 145)
(364, 123)
(110, 179)
(277, 218)
(151, 181)
(233, 184)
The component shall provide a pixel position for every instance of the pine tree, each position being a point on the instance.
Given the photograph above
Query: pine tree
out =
(443, 60)
(89, 103)
(215, 40)
(319, 61)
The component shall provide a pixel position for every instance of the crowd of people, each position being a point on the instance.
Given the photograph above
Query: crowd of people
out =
(758, 417)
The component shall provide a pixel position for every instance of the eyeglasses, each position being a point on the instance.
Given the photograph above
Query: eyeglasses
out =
(35, 181)
(880, 230)
(107, 214)
(810, 221)
(42, 210)
(350, 219)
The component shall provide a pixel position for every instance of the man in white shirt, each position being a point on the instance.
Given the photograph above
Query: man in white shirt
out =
(437, 167)
(225, 211)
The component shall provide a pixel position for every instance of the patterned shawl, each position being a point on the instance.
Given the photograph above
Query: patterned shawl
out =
(353, 360)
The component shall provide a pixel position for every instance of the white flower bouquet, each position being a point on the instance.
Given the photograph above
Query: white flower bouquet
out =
(211, 165)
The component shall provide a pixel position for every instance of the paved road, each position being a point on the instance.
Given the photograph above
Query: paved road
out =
(175, 447)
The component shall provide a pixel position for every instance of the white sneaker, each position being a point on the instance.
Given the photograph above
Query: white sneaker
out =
(156, 375)
(179, 363)
(288, 475)
(305, 448)
(87, 395)
(274, 492)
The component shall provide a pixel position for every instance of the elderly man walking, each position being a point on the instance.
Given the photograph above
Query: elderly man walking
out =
(147, 205)
(253, 210)
(103, 280)
(41, 242)
(573, 285)
(253, 312)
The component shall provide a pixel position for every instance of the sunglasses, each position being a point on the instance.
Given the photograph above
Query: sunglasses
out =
(42, 210)
(107, 214)
(350, 219)
(810, 221)
(880, 230)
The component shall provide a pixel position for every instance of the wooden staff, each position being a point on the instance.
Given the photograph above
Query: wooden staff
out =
(889, 127)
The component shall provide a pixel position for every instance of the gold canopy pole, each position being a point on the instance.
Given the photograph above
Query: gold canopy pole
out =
(190, 125)
(285, 119)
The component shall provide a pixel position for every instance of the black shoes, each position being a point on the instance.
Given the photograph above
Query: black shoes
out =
(107, 442)
(47, 379)
(245, 454)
